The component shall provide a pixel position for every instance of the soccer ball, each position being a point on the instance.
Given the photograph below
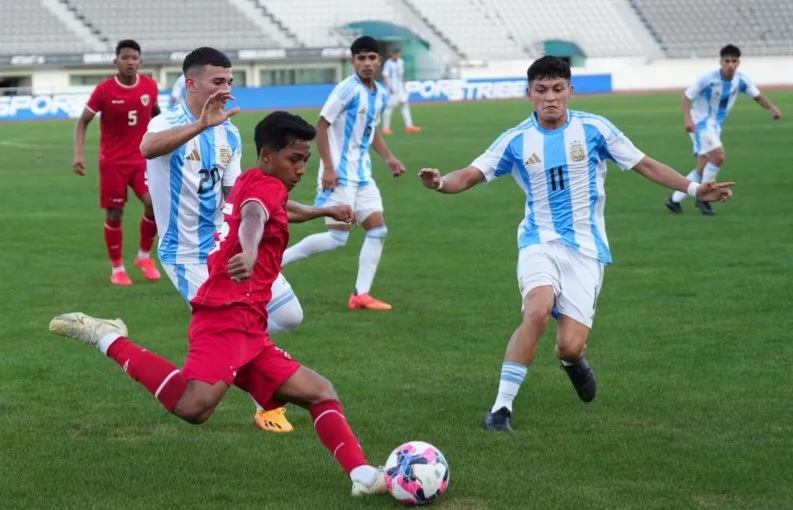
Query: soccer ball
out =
(416, 473)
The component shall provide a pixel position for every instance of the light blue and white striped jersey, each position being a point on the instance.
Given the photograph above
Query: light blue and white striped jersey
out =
(563, 172)
(353, 112)
(179, 89)
(714, 97)
(186, 186)
(394, 73)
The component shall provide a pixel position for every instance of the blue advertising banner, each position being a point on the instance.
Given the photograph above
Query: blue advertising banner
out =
(63, 106)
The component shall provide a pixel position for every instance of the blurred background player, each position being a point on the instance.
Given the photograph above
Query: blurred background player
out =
(347, 127)
(557, 157)
(178, 91)
(394, 78)
(127, 102)
(228, 343)
(706, 104)
(194, 156)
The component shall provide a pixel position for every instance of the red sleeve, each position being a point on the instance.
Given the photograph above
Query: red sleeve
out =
(96, 101)
(266, 192)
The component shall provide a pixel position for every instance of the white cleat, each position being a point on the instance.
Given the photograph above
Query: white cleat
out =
(86, 328)
(378, 486)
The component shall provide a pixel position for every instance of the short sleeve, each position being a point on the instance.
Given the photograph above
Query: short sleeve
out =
(338, 101)
(697, 87)
(268, 192)
(234, 168)
(499, 159)
(157, 124)
(96, 102)
(623, 152)
(748, 87)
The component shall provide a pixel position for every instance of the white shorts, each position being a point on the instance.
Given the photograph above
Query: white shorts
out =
(187, 278)
(397, 98)
(706, 139)
(364, 200)
(576, 279)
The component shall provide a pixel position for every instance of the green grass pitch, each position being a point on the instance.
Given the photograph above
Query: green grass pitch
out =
(691, 345)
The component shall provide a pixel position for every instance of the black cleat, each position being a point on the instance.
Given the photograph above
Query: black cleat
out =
(705, 208)
(583, 379)
(498, 421)
(673, 206)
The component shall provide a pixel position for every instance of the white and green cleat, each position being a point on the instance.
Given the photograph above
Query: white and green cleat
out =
(377, 486)
(85, 328)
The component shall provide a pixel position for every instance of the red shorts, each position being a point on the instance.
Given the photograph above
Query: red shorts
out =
(231, 344)
(115, 177)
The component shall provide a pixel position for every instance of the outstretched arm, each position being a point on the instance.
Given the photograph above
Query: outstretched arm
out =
(250, 235)
(766, 103)
(453, 182)
(661, 174)
(299, 213)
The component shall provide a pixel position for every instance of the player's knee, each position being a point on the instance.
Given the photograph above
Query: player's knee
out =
(339, 237)
(537, 314)
(377, 232)
(195, 410)
(115, 213)
(717, 158)
(323, 391)
(287, 316)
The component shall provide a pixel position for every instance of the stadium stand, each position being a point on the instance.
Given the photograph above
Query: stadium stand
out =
(27, 27)
(698, 29)
(174, 24)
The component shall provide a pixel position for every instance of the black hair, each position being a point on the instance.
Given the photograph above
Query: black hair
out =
(730, 51)
(205, 56)
(127, 43)
(280, 129)
(548, 67)
(364, 44)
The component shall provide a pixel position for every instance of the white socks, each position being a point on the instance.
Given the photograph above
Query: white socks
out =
(512, 376)
(679, 196)
(406, 115)
(106, 341)
(315, 243)
(710, 172)
(365, 474)
(371, 251)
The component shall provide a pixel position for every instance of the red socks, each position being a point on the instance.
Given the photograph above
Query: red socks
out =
(157, 374)
(334, 432)
(148, 231)
(113, 239)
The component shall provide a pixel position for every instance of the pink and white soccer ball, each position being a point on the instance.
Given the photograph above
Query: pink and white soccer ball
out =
(416, 473)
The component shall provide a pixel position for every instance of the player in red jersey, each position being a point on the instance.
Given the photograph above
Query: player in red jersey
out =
(127, 102)
(228, 343)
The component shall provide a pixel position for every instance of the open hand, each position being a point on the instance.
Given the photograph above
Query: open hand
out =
(213, 114)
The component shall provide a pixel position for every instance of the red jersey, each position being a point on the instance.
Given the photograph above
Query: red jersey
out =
(126, 112)
(219, 289)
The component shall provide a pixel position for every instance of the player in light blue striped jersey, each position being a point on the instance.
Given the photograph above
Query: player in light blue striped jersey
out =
(347, 127)
(706, 104)
(558, 158)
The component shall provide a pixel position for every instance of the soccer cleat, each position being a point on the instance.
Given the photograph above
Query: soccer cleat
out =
(673, 206)
(120, 278)
(149, 268)
(705, 208)
(365, 301)
(378, 486)
(86, 328)
(387, 131)
(498, 421)
(583, 379)
(412, 129)
(273, 420)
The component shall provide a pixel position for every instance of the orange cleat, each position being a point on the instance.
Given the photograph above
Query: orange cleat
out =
(387, 131)
(120, 278)
(412, 129)
(365, 301)
(273, 420)
(149, 269)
